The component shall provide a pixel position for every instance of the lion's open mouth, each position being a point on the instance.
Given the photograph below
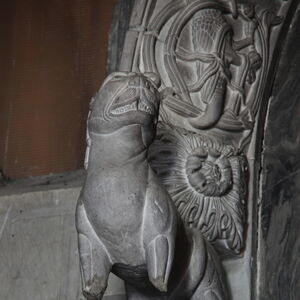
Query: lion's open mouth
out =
(138, 105)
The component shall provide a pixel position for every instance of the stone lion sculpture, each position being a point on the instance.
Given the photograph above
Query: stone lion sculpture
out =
(126, 221)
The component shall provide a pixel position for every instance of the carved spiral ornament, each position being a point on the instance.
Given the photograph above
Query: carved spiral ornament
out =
(209, 172)
(207, 182)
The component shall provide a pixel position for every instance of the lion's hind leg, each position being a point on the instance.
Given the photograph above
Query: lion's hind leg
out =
(159, 233)
(95, 263)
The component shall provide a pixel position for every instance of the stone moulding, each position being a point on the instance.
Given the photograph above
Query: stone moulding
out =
(198, 69)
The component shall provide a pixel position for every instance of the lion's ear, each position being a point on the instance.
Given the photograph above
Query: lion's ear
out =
(154, 78)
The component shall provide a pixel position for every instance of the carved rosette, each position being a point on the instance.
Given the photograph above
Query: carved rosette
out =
(207, 182)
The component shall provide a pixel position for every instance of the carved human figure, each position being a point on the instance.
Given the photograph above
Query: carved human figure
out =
(209, 56)
(211, 36)
(126, 221)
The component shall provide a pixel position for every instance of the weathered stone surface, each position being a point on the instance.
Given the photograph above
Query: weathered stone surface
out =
(126, 221)
(38, 241)
(215, 60)
(279, 240)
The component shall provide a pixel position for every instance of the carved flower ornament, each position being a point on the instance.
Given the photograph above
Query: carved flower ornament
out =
(206, 180)
(209, 172)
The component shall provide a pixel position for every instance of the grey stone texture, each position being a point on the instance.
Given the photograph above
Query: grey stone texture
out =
(279, 216)
(38, 240)
(38, 245)
(127, 222)
(213, 59)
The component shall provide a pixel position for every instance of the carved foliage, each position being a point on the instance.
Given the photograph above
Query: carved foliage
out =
(207, 182)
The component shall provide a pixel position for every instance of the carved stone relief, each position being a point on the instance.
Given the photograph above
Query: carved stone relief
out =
(176, 126)
(213, 58)
(207, 182)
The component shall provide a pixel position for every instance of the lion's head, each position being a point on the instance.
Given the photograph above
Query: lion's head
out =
(124, 99)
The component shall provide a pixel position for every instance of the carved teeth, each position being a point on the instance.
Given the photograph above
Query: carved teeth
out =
(124, 109)
(142, 106)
